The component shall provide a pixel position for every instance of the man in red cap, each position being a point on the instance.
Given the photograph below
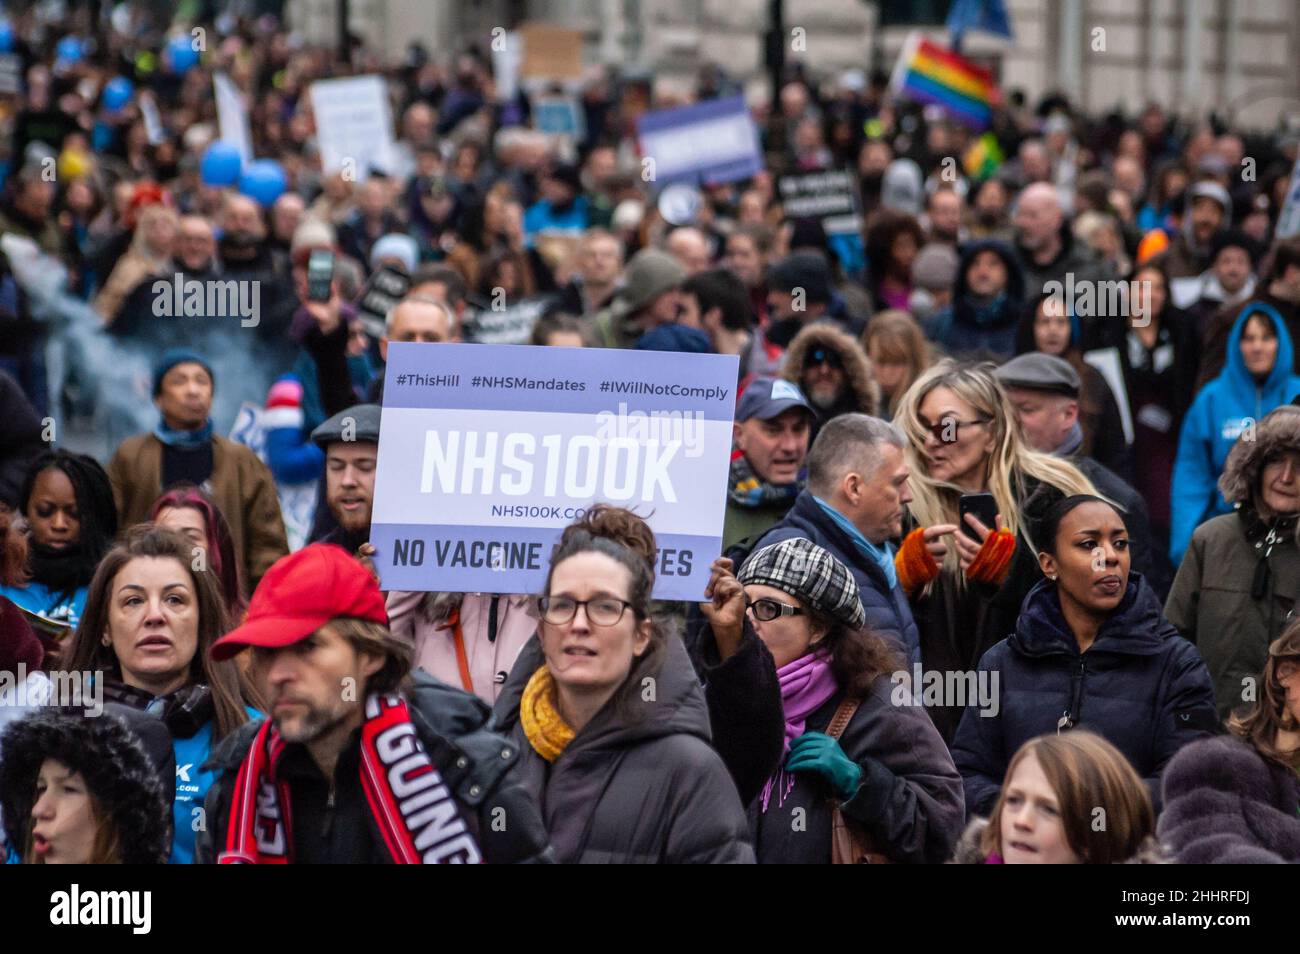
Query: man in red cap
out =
(361, 760)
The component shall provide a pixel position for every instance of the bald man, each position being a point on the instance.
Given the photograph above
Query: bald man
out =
(690, 247)
(1047, 248)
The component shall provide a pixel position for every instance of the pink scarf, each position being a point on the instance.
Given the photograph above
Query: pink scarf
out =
(807, 684)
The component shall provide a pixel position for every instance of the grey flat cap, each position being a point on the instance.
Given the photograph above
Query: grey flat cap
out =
(358, 423)
(1037, 371)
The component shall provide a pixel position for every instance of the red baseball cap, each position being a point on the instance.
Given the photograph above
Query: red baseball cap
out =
(301, 593)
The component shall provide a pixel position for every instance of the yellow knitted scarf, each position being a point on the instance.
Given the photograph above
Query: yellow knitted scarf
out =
(545, 728)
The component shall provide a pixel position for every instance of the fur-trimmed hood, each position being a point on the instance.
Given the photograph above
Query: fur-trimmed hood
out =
(113, 760)
(1278, 432)
(968, 851)
(859, 373)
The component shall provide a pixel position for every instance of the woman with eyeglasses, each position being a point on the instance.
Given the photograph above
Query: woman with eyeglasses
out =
(609, 716)
(1235, 799)
(1237, 586)
(833, 371)
(1090, 650)
(854, 743)
(963, 439)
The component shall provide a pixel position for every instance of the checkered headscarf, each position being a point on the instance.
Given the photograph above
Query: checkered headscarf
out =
(811, 574)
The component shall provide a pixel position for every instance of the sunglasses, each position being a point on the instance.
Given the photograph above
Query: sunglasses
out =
(824, 356)
(948, 431)
(765, 610)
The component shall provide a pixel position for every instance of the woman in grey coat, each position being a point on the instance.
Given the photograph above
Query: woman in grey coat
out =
(1239, 579)
(610, 718)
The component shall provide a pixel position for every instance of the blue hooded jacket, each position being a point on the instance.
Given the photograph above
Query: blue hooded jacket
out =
(1225, 407)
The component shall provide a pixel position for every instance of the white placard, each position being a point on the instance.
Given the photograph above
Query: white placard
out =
(232, 116)
(354, 126)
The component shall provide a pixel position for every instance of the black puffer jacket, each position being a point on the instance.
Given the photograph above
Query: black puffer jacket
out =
(651, 790)
(1140, 686)
(478, 765)
(1227, 804)
(117, 764)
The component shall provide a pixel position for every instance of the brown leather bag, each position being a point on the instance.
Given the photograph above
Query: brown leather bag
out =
(850, 845)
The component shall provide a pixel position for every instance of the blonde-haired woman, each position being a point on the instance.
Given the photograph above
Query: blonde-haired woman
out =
(963, 438)
(150, 255)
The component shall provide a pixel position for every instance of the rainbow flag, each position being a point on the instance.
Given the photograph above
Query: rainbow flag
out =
(931, 73)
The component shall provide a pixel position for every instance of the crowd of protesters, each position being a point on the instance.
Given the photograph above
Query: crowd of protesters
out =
(1127, 601)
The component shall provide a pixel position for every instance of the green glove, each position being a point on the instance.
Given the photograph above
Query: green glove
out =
(818, 752)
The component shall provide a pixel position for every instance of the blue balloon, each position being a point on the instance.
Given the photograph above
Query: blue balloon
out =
(117, 93)
(220, 165)
(6, 37)
(183, 55)
(69, 49)
(264, 181)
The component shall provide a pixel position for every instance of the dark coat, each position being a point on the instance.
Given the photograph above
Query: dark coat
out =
(649, 790)
(1140, 686)
(20, 439)
(966, 331)
(743, 694)
(888, 612)
(960, 621)
(454, 727)
(1227, 804)
(910, 797)
(1214, 603)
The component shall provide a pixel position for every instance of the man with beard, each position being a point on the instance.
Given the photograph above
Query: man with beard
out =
(361, 761)
(943, 214)
(833, 371)
(1048, 250)
(1189, 253)
(771, 435)
(350, 440)
(245, 256)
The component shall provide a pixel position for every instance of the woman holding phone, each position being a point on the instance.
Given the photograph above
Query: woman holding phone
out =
(966, 588)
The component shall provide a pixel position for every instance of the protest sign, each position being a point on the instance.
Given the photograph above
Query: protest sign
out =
(354, 127)
(484, 458)
(710, 142)
(831, 197)
(559, 116)
(550, 52)
(386, 287)
(512, 324)
(1288, 220)
(506, 57)
(11, 74)
(232, 116)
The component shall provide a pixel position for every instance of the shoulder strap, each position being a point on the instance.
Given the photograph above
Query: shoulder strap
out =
(842, 717)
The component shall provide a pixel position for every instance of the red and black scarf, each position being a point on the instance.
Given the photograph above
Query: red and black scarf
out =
(414, 812)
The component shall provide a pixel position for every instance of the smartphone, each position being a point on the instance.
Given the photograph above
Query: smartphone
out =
(320, 274)
(983, 506)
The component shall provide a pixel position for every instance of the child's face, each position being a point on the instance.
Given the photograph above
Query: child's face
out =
(63, 822)
(1032, 830)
